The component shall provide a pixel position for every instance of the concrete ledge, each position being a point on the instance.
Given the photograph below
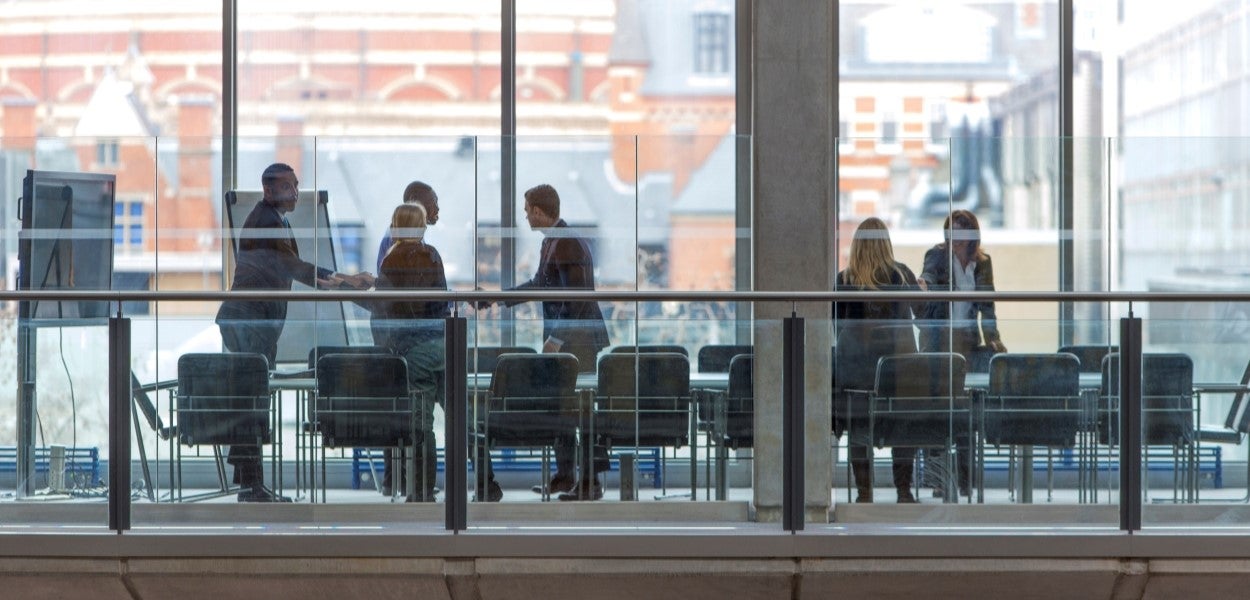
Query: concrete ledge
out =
(959, 578)
(568, 577)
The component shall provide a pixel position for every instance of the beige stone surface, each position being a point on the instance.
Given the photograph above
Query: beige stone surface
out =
(626, 579)
(58, 586)
(623, 578)
(1018, 579)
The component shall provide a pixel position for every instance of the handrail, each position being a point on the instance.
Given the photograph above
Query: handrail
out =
(615, 295)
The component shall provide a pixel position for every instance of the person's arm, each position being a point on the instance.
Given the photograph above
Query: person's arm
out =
(989, 317)
(264, 232)
(435, 277)
(911, 284)
(936, 269)
(383, 246)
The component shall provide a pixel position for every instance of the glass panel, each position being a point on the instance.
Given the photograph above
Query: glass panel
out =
(1193, 384)
(640, 407)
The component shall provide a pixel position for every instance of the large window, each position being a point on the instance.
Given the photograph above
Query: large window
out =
(649, 90)
(939, 97)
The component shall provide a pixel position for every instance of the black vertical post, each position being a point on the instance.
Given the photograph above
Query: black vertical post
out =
(119, 424)
(27, 346)
(456, 432)
(1130, 424)
(792, 427)
(1067, 178)
(507, 165)
(743, 173)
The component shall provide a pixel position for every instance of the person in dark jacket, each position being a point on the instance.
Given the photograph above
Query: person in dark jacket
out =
(414, 330)
(565, 262)
(867, 331)
(268, 259)
(960, 263)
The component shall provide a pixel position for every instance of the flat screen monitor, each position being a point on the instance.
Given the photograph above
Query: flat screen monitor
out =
(66, 241)
(308, 324)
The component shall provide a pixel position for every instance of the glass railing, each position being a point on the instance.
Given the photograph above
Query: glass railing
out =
(655, 413)
(896, 432)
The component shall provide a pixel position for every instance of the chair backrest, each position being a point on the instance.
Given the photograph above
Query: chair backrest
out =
(1167, 396)
(1089, 355)
(861, 344)
(928, 375)
(1035, 375)
(1033, 399)
(742, 377)
(319, 351)
(363, 400)
(534, 378)
(651, 349)
(653, 378)
(740, 402)
(714, 358)
(223, 398)
(483, 359)
(1238, 418)
(1163, 374)
(361, 375)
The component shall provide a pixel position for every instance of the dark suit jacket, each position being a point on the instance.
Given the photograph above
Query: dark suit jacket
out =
(565, 262)
(268, 259)
(966, 335)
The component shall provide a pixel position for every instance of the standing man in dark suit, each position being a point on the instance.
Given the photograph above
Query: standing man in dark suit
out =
(565, 262)
(268, 259)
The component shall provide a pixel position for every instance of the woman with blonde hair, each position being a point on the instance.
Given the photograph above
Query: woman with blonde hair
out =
(413, 329)
(866, 332)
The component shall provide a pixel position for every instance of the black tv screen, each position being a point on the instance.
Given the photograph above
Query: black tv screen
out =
(66, 241)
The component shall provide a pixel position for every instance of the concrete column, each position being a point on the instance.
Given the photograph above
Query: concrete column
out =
(794, 127)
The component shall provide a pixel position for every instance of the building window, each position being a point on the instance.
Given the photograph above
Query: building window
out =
(889, 128)
(711, 43)
(128, 225)
(106, 153)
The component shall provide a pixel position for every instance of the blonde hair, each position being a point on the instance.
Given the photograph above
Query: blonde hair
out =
(407, 223)
(872, 255)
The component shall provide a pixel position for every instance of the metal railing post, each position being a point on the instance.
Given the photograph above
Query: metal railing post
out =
(1130, 424)
(119, 423)
(793, 439)
(455, 434)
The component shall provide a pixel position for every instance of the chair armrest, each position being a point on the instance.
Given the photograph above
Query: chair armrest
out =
(1222, 436)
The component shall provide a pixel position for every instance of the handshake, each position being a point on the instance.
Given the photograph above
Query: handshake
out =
(359, 281)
